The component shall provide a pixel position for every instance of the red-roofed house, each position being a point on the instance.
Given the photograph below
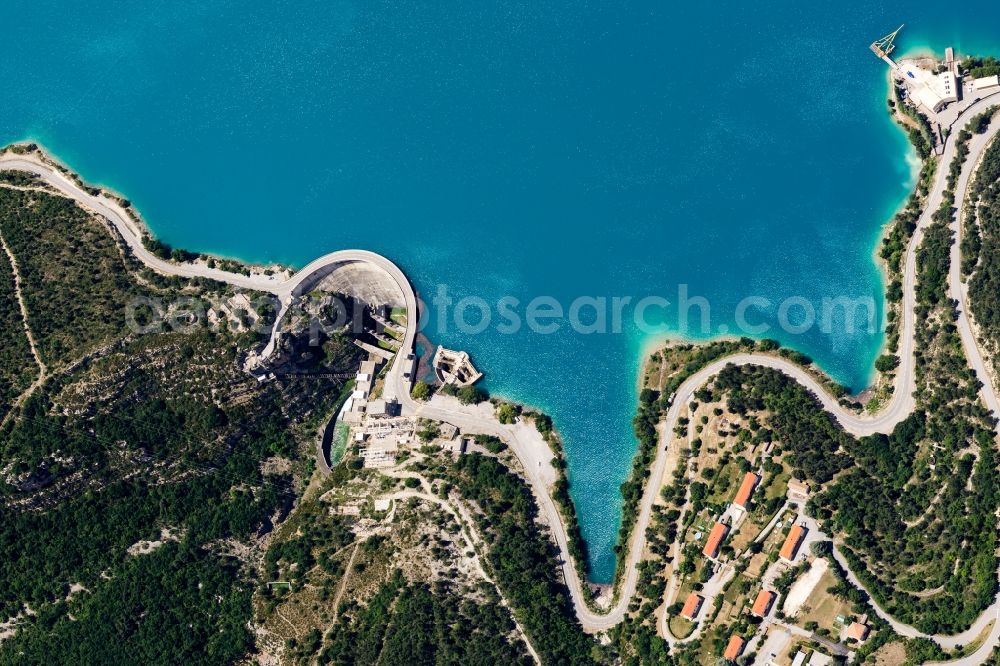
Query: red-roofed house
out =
(734, 648)
(692, 606)
(792, 541)
(858, 631)
(750, 481)
(763, 603)
(714, 540)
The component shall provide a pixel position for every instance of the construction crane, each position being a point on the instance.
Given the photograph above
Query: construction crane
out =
(883, 47)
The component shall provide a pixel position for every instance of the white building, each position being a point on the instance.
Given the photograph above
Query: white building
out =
(950, 87)
(820, 659)
(382, 454)
(986, 82)
(946, 86)
(933, 91)
(383, 408)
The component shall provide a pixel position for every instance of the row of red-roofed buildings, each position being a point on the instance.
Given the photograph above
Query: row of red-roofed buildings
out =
(765, 598)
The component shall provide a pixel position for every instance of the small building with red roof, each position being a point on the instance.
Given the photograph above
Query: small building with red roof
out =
(714, 540)
(792, 542)
(750, 481)
(763, 603)
(858, 631)
(734, 648)
(692, 606)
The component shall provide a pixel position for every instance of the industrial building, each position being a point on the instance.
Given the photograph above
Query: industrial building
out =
(933, 91)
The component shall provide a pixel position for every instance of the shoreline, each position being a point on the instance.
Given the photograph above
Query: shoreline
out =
(141, 226)
(891, 414)
(876, 377)
(650, 346)
(641, 350)
(647, 345)
(266, 268)
(652, 343)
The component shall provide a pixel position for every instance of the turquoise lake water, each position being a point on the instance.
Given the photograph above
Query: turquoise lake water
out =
(517, 150)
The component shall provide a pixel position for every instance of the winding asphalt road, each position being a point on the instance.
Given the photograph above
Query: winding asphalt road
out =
(525, 445)
(902, 402)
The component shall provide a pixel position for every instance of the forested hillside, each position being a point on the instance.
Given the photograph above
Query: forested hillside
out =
(142, 475)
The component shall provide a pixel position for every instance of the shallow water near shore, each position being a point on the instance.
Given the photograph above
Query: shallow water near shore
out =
(522, 151)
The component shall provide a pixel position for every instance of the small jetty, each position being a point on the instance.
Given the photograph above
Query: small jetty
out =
(884, 47)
